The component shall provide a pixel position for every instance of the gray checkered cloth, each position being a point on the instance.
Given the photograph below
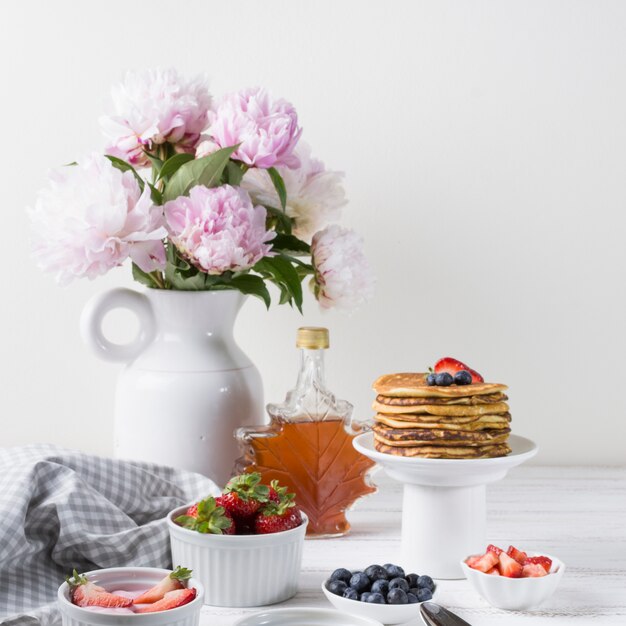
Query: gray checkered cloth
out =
(61, 510)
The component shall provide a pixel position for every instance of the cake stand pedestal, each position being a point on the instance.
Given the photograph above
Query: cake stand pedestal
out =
(444, 506)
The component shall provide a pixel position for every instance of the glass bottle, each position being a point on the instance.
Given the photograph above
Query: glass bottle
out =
(308, 444)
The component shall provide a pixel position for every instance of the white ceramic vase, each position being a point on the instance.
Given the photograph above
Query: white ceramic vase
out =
(186, 385)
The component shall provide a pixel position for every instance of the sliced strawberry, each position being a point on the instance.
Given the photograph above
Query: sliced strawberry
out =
(470, 561)
(171, 582)
(544, 561)
(494, 549)
(486, 562)
(171, 600)
(509, 566)
(533, 570)
(452, 366)
(211, 517)
(516, 554)
(85, 593)
(494, 571)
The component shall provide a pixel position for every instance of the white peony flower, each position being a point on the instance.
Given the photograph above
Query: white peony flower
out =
(153, 107)
(343, 277)
(91, 217)
(315, 195)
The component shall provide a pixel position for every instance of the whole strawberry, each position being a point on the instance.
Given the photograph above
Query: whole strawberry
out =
(276, 518)
(244, 495)
(192, 511)
(277, 493)
(210, 518)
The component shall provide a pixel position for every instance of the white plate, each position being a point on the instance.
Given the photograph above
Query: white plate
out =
(305, 617)
(448, 472)
(385, 613)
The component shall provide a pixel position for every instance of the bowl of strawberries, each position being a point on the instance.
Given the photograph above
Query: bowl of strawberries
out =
(245, 545)
(128, 596)
(513, 580)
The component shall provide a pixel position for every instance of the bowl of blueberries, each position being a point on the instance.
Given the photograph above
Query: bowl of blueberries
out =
(381, 592)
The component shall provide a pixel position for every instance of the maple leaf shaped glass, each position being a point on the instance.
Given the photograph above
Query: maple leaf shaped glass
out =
(308, 445)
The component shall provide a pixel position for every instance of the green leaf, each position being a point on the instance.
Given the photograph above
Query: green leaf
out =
(281, 272)
(143, 277)
(252, 285)
(173, 164)
(279, 185)
(123, 166)
(206, 171)
(157, 163)
(279, 220)
(290, 243)
(235, 172)
(155, 194)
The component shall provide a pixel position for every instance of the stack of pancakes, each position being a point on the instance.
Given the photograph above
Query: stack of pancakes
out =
(414, 419)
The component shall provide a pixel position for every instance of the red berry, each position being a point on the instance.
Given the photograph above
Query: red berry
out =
(269, 521)
(494, 549)
(237, 506)
(85, 593)
(516, 554)
(544, 561)
(509, 566)
(192, 511)
(452, 366)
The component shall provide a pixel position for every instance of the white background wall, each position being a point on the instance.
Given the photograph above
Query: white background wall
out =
(484, 145)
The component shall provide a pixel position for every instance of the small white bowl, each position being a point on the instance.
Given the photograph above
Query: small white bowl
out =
(385, 613)
(516, 594)
(305, 617)
(240, 570)
(129, 578)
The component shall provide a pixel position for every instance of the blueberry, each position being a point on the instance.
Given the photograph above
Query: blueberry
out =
(376, 598)
(414, 591)
(394, 571)
(337, 587)
(463, 378)
(351, 594)
(380, 586)
(430, 380)
(341, 574)
(365, 596)
(412, 598)
(397, 596)
(424, 594)
(360, 582)
(399, 583)
(426, 581)
(412, 579)
(376, 572)
(443, 379)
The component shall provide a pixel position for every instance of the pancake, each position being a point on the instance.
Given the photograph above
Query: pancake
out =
(444, 410)
(438, 436)
(473, 400)
(440, 452)
(479, 423)
(413, 385)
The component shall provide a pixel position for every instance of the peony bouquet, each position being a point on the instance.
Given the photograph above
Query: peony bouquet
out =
(202, 195)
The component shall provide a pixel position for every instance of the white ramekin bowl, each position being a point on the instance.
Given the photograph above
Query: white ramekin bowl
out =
(240, 570)
(129, 578)
(516, 594)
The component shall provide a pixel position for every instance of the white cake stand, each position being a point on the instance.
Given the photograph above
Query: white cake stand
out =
(444, 507)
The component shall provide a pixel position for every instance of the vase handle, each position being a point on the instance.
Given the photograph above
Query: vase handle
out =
(96, 309)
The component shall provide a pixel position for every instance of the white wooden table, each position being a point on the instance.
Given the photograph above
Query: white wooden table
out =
(575, 513)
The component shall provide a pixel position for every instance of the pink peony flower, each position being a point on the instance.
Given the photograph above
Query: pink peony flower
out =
(153, 107)
(218, 229)
(266, 129)
(314, 195)
(343, 277)
(91, 217)
(205, 147)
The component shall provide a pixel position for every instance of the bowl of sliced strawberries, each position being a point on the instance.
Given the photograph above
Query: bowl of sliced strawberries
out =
(513, 580)
(131, 596)
(244, 545)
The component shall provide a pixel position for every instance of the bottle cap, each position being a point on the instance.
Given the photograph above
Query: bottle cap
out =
(312, 338)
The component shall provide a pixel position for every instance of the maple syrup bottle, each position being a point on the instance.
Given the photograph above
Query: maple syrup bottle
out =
(308, 444)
